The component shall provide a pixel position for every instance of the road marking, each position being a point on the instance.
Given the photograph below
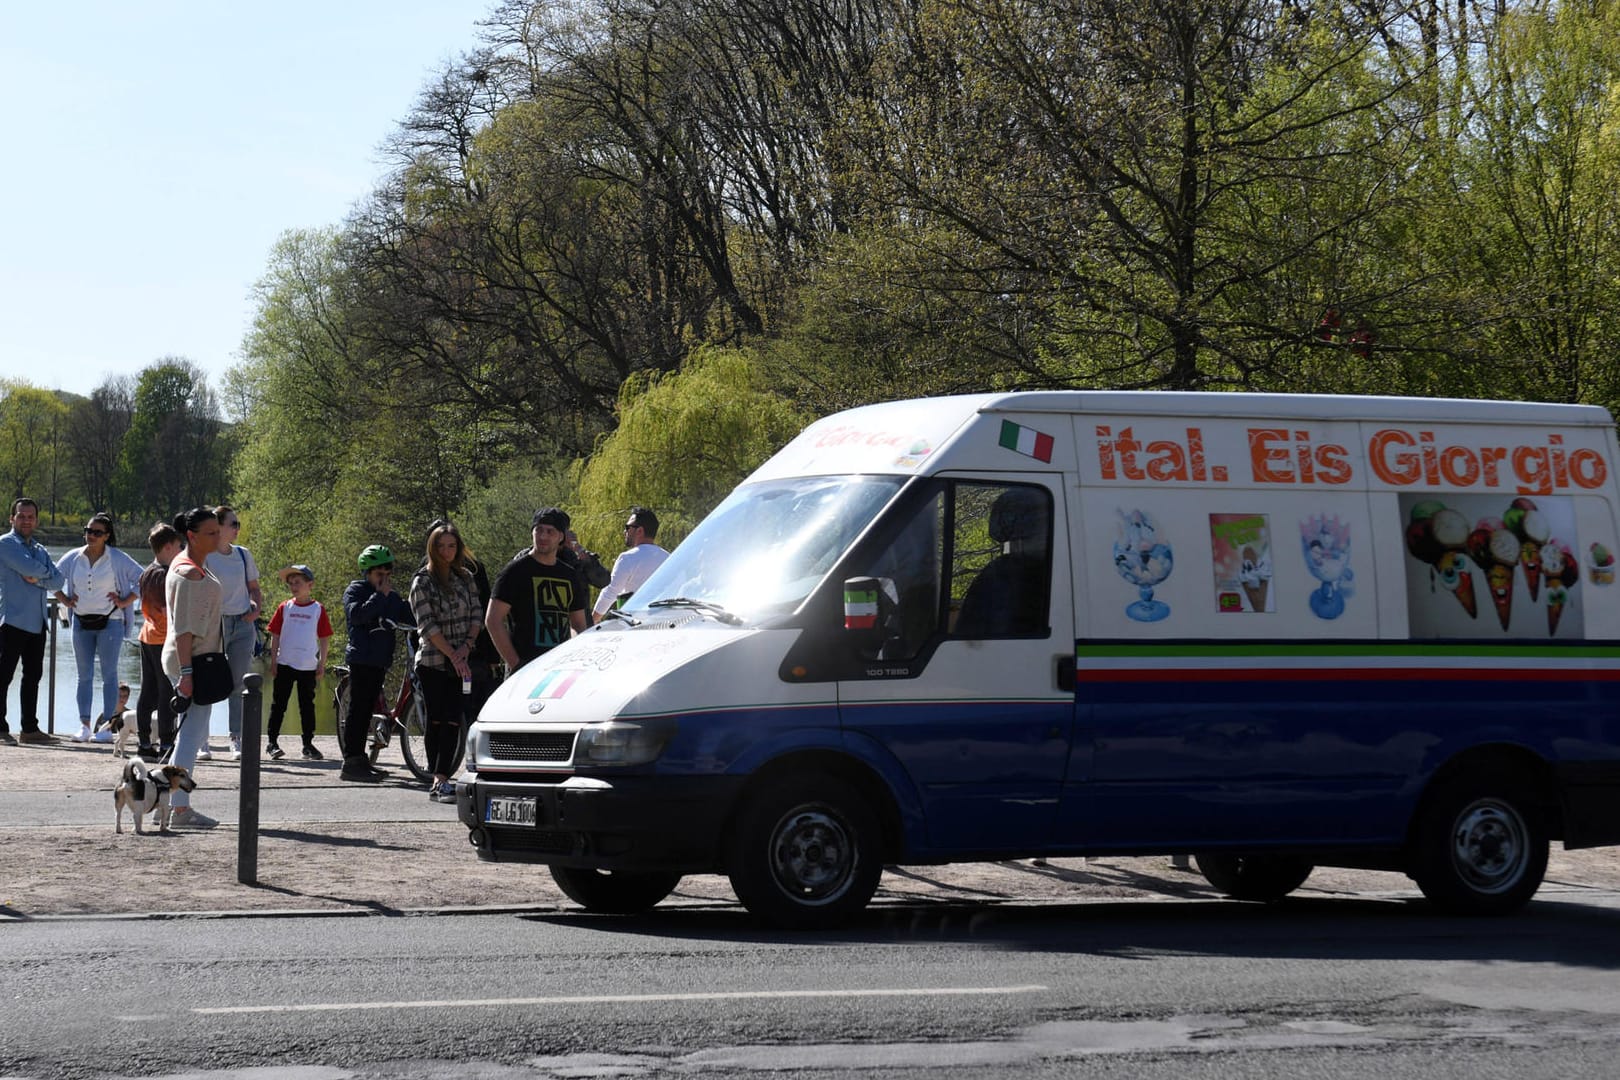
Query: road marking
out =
(625, 999)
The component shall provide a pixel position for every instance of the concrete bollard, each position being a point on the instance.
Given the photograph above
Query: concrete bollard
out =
(247, 835)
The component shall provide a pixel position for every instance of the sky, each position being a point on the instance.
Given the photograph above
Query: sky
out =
(154, 151)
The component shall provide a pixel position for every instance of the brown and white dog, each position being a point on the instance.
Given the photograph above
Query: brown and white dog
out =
(125, 730)
(146, 788)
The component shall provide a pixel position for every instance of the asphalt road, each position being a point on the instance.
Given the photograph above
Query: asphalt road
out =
(1185, 989)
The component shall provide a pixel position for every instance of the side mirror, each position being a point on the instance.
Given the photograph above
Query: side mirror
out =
(868, 612)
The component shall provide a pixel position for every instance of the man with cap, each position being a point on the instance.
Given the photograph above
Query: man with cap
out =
(637, 562)
(538, 600)
(300, 633)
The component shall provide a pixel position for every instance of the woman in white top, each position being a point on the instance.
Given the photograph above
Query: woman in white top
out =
(99, 587)
(238, 578)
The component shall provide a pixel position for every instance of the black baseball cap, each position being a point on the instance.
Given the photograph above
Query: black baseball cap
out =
(550, 515)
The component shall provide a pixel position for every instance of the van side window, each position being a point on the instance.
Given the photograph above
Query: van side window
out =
(1001, 567)
(910, 566)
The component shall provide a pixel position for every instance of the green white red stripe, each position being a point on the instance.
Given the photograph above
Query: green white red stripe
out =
(1026, 441)
(1115, 663)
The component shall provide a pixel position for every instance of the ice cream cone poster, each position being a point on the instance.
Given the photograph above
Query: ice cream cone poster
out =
(1484, 566)
(1241, 546)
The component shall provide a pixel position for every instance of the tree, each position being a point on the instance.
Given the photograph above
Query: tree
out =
(28, 424)
(94, 438)
(683, 442)
(174, 455)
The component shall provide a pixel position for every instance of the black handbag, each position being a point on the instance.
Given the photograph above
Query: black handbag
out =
(210, 678)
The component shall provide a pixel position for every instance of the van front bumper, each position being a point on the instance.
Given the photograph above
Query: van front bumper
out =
(630, 823)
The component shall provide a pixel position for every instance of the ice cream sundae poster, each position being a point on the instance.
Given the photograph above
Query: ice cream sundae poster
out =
(1241, 547)
(1492, 566)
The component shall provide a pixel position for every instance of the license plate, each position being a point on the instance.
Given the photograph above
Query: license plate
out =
(511, 810)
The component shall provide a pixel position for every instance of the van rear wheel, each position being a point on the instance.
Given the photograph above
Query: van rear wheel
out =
(1263, 878)
(614, 892)
(1480, 847)
(805, 853)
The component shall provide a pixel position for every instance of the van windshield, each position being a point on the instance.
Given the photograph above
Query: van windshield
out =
(763, 549)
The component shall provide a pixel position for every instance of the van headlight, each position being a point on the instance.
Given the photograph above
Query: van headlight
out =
(469, 759)
(622, 742)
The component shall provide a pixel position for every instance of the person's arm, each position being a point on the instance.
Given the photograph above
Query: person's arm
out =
(610, 591)
(576, 619)
(256, 595)
(499, 635)
(275, 651)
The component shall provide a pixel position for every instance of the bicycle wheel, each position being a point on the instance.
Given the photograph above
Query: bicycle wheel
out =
(413, 738)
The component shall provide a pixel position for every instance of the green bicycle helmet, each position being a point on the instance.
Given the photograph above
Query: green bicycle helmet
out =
(374, 556)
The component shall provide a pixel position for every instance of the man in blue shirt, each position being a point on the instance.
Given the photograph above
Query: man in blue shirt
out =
(27, 574)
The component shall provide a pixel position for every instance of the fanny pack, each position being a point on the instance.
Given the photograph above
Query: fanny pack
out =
(93, 622)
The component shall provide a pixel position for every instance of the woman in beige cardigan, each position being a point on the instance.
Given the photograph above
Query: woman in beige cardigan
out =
(194, 603)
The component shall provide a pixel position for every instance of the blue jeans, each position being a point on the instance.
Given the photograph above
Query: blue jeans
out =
(239, 640)
(88, 647)
(191, 737)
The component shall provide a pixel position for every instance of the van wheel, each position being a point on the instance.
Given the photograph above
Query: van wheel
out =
(1265, 878)
(1480, 847)
(805, 854)
(613, 892)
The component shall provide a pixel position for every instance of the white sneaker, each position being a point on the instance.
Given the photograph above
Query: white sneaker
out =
(236, 749)
(84, 733)
(205, 754)
(185, 817)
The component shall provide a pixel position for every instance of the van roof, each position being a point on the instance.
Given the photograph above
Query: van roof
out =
(917, 435)
(1301, 406)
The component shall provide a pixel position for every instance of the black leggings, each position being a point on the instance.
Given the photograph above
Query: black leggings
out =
(286, 679)
(446, 709)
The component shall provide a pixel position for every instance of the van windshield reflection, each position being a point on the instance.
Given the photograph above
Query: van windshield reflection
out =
(766, 546)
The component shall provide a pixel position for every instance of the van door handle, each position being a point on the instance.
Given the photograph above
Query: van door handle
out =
(1065, 673)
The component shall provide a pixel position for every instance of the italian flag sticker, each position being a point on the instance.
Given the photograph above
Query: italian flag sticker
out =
(1026, 441)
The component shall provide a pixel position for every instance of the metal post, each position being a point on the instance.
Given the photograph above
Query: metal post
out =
(247, 835)
(50, 669)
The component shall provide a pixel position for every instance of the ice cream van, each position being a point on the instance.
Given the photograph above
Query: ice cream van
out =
(1275, 632)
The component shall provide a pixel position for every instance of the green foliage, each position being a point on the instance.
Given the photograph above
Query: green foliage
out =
(30, 423)
(683, 442)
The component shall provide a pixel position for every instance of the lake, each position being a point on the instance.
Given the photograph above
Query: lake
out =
(66, 676)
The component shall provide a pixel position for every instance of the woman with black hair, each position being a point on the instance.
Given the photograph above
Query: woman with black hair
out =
(195, 602)
(99, 586)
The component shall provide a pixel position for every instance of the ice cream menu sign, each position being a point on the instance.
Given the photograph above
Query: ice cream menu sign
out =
(1241, 544)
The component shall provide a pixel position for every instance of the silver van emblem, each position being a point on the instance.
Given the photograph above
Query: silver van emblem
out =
(536, 706)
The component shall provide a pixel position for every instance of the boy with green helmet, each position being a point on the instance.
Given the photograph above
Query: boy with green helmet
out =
(367, 603)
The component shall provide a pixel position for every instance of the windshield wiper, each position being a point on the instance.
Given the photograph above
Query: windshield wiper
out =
(699, 605)
(615, 613)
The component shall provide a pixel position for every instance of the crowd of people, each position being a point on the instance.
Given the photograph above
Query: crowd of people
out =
(200, 598)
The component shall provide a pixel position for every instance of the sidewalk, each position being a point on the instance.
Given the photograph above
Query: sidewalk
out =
(330, 846)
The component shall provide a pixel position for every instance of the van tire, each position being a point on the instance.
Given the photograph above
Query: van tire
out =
(1262, 878)
(1480, 846)
(609, 892)
(805, 853)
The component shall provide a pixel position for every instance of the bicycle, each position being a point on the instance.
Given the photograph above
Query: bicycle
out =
(406, 718)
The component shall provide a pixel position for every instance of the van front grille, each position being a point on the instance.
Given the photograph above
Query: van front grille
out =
(549, 746)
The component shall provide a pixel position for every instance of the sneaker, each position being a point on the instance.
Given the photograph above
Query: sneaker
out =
(312, 754)
(236, 749)
(378, 773)
(275, 752)
(443, 792)
(84, 733)
(7, 738)
(205, 754)
(37, 738)
(149, 753)
(186, 818)
(104, 735)
(359, 776)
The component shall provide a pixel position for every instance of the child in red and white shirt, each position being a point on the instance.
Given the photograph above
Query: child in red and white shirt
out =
(299, 634)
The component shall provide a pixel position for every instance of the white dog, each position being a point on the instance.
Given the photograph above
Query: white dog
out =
(124, 728)
(147, 788)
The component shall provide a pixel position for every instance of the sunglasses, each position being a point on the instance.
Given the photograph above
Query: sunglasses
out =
(95, 532)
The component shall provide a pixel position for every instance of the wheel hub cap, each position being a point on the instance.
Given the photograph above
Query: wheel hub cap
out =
(1489, 846)
(812, 855)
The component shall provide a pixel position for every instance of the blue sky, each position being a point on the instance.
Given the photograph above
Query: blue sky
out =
(155, 151)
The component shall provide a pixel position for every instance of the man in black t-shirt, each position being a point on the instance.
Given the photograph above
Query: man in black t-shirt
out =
(538, 600)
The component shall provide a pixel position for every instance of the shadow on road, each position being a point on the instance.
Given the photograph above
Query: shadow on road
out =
(1548, 931)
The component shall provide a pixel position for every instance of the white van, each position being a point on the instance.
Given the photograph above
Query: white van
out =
(1274, 631)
